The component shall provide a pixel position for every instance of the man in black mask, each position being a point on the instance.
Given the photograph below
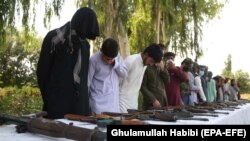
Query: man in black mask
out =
(62, 69)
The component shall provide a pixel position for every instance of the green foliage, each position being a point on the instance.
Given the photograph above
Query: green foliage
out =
(188, 17)
(11, 10)
(243, 79)
(175, 21)
(7, 16)
(52, 7)
(25, 100)
(160, 21)
(227, 71)
(18, 59)
(142, 31)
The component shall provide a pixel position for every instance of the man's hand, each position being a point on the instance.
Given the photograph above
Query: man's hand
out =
(156, 104)
(170, 64)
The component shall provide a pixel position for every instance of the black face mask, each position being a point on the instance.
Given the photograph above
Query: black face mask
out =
(85, 23)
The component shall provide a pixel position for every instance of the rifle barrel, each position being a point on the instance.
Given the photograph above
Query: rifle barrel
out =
(56, 128)
(14, 119)
(81, 118)
(114, 114)
(200, 119)
(205, 114)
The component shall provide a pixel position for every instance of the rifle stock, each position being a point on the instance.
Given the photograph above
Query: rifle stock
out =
(164, 115)
(103, 122)
(56, 128)
(62, 130)
(114, 114)
(81, 118)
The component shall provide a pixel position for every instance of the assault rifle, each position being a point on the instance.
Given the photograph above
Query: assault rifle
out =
(162, 115)
(53, 128)
(103, 120)
(195, 110)
(218, 106)
(184, 112)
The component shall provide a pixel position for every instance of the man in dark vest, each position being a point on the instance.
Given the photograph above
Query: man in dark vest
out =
(62, 69)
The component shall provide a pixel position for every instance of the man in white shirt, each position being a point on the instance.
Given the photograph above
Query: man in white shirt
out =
(129, 89)
(106, 67)
(197, 81)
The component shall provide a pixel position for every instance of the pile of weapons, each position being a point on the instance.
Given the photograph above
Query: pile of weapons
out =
(37, 124)
(169, 114)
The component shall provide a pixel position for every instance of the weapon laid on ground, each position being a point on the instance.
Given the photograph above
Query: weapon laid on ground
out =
(209, 107)
(229, 105)
(54, 128)
(198, 110)
(115, 114)
(185, 112)
(162, 115)
(103, 120)
(178, 116)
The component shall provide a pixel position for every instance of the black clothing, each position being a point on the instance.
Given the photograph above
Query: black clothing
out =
(61, 94)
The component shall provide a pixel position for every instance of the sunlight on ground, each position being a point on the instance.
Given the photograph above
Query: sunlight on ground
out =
(245, 96)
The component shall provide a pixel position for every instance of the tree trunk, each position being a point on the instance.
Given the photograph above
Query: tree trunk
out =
(123, 41)
(158, 22)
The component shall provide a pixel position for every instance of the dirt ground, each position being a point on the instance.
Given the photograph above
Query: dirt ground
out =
(245, 96)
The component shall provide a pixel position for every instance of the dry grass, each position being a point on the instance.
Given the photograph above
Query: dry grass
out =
(245, 96)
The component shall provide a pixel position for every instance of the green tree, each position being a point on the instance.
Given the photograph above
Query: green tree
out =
(173, 22)
(227, 71)
(244, 81)
(11, 10)
(18, 59)
(142, 31)
(113, 18)
(177, 23)
(134, 23)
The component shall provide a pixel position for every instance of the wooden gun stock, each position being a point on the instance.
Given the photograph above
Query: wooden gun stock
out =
(81, 118)
(129, 122)
(54, 128)
(114, 114)
(103, 122)
(62, 130)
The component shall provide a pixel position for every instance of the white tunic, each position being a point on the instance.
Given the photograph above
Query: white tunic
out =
(193, 88)
(103, 82)
(129, 90)
(197, 82)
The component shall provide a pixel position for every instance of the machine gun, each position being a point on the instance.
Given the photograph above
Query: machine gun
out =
(53, 128)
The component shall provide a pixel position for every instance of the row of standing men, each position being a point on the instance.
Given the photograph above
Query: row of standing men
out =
(71, 81)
